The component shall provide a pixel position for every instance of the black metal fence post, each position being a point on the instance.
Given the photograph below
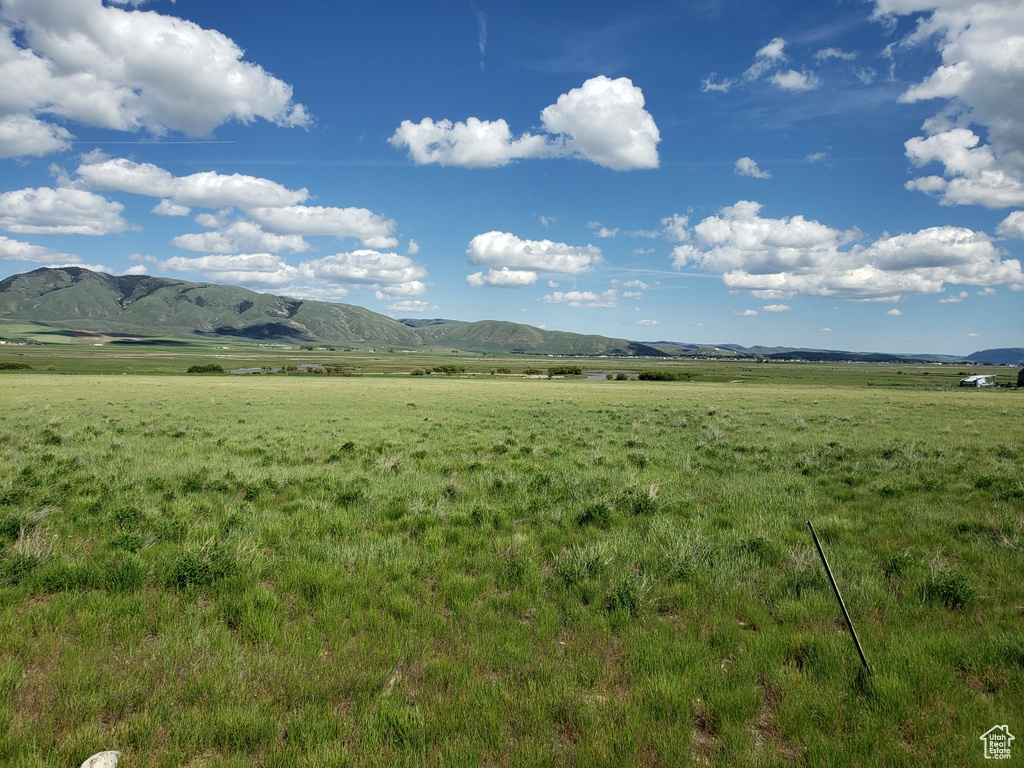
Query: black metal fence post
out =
(839, 598)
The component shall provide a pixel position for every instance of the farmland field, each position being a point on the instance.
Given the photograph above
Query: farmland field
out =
(321, 571)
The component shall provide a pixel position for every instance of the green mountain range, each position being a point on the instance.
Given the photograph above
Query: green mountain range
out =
(139, 305)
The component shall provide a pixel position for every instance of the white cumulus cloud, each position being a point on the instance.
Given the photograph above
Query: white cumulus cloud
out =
(206, 189)
(791, 80)
(583, 299)
(411, 305)
(238, 236)
(778, 258)
(981, 82)
(604, 121)
(390, 275)
(60, 210)
(1012, 225)
(127, 70)
(474, 143)
(257, 269)
(16, 250)
(503, 278)
(747, 166)
(374, 230)
(503, 249)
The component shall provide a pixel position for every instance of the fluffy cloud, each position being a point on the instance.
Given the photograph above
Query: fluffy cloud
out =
(107, 67)
(791, 80)
(390, 275)
(779, 258)
(747, 166)
(61, 211)
(634, 289)
(982, 79)
(647, 322)
(412, 305)
(258, 269)
(16, 250)
(503, 278)
(770, 56)
(505, 250)
(1012, 225)
(472, 144)
(676, 227)
(604, 121)
(974, 175)
(776, 308)
(602, 231)
(240, 236)
(207, 189)
(583, 299)
(22, 135)
(271, 207)
(373, 230)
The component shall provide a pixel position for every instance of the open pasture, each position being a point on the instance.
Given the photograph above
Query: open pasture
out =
(321, 571)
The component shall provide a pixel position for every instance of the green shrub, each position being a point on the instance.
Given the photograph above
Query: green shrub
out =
(58, 575)
(8, 366)
(448, 370)
(123, 572)
(596, 514)
(897, 566)
(950, 588)
(638, 501)
(565, 370)
(10, 528)
(625, 593)
(199, 569)
(16, 567)
(761, 549)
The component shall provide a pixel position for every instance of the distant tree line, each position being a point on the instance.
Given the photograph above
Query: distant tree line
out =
(664, 376)
(447, 370)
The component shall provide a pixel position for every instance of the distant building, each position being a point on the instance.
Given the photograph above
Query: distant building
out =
(978, 381)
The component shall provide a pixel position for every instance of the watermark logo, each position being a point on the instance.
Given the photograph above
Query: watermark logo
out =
(997, 742)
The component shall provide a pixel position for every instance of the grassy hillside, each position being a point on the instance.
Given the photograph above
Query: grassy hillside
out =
(76, 298)
(503, 336)
(150, 306)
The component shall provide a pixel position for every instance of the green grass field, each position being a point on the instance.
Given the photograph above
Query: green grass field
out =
(398, 570)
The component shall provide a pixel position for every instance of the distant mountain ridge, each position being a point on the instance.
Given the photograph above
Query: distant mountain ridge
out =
(80, 299)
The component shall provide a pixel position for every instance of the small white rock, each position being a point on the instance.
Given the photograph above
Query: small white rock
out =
(102, 760)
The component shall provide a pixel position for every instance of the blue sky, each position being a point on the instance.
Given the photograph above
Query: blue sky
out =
(843, 174)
